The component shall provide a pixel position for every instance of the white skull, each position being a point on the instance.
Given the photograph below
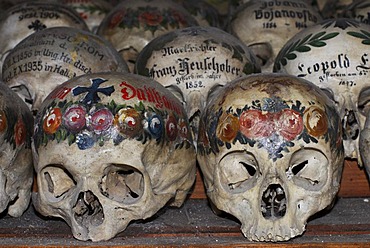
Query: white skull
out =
(271, 154)
(52, 56)
(334, 55)
(266, 25)
(16, 169)
(110, 148)
(194, 63)
(23, 19)
(92, 11)
(132, 24)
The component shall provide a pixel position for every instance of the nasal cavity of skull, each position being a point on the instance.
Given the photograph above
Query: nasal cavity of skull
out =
(350, 125)
(273, 202)
(122, 183)
(58, 180)
(88, 210)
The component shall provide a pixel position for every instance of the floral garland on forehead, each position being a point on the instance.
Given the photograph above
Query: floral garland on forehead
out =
(88, 121)
(269, 123)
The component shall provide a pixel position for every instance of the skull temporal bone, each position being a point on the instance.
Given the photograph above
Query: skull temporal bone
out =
(109, 152)
(271, 154)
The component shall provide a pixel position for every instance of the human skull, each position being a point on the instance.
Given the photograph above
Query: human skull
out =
(266, 25)
(16, 169)
(132, 24)
(334, 55)
(194, 63)
(111, 148)
(54, 55)
(270, 151)
(92, 11)
(23, 19)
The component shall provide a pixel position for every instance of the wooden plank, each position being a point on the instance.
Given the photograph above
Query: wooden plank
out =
(195, 225)
(354, 181)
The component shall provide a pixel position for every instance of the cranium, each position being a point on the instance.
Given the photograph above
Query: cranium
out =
(133, 23)
(110, 148)
(50, 57)
(92, 11)
(23, 19)
(334, 55)
(194, 63)
(270, 150)
(266, 25)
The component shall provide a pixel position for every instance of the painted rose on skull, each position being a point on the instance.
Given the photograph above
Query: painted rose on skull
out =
(88, 121)
(271, 124)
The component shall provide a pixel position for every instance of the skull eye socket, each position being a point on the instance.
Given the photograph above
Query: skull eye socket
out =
(24, 93)
(122, 183)
(238, 171)
(57, 181)
(263, 52)
(364, 102)
(308, 169)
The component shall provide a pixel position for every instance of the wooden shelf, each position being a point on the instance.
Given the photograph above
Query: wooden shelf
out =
(195, 225)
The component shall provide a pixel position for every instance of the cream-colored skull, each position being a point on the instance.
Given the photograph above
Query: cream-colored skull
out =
(132, 24)
(266, 25)
(270, 150)
(23, 19)
(110, 148)
(92, 11)
(334, 55)
(52, 56)
(16, 169)
(194, 63)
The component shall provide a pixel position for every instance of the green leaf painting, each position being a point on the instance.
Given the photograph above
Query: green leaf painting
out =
(364, 35)
(302, 46)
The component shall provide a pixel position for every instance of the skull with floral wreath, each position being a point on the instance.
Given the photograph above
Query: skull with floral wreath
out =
(270, 150)
(109, 149)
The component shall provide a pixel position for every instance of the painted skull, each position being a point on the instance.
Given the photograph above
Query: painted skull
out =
(334, 55)
(110, 148)
(270, 150)
(54, 55)
(266, 25)
(92, 11)
(194, 63)
(24, 19)
(16, 169)
(132, 24)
